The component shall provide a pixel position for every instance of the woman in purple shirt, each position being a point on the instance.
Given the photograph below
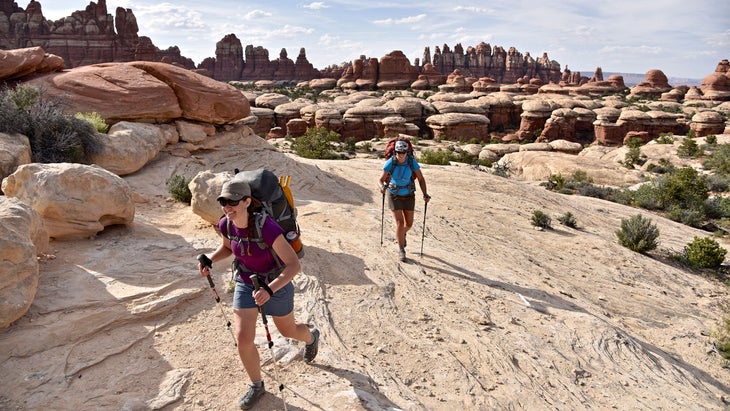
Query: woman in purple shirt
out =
(276, 295)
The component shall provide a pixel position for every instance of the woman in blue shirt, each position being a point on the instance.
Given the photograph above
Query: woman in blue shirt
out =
(399, 173)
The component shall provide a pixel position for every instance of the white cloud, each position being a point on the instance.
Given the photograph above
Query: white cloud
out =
(472, 9)
(317, 5)
(256, 14)
(404, 20)
(643, 50)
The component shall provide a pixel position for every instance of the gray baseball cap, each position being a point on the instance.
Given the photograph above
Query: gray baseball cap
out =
(235, 190)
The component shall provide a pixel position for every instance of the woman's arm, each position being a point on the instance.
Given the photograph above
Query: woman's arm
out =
(422, 184)
(383, 182)
(223, 251)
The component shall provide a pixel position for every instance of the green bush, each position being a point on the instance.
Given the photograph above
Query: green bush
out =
(704, 253)
(723, 338)
(95, 119)
(568, 220)
(437, 157)
(540, 219)
(317, 143)
(685, 188)
(719, 162)
(638, 234)
(689, 148)
(178, 188)
(665, 138)
(24, 96)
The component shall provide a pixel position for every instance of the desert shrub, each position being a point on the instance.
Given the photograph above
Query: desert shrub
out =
(685, 188)
(568, 220)
(665, 138)
(717, 207)
(704, 253)
(722, 337)
(555, 182)
(691, 216)
(718, 183)
(689, 148)
(663, 167)
(178, 188)
(24, 96)
(501, 169)
(638, 234)
(316, 143)
(95, 119)
(54, 136)
(633, 158)
(436, 157)
(647, 196)
(540, 219)
(719, 161)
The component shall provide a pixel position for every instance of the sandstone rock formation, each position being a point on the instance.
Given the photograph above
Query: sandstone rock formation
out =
(145, 91)
(23, 238)
(19, 63)
(74, 200)
(83, 38)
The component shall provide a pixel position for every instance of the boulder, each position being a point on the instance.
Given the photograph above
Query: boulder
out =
(75, 200)
(23, 238)
(205, 188)
(127, 147)
(22, 62)
(459, 126)
(705, 123)
(14, 152)
(145, 92)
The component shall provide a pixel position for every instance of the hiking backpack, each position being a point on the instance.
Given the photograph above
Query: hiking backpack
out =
(390, 152)
(277, 202)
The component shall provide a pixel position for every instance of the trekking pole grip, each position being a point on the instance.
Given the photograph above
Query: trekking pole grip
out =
(207, 262)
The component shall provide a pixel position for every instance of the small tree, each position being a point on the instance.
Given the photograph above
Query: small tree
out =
(568, 220)
(177, 185)
(540, 219)
(316, 143)
(704, 253)
(638, 234)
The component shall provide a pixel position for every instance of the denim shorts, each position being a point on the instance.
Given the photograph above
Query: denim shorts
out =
(280, 304)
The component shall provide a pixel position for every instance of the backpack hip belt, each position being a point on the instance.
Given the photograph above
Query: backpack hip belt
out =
(240, 272)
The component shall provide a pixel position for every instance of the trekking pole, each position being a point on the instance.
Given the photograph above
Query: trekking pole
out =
(382, 216)
(206, 262)
(255, 279)
(423, 230)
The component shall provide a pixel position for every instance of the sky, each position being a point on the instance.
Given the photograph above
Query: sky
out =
(624, 36)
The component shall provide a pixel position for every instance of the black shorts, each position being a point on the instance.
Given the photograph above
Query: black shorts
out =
(407, 203)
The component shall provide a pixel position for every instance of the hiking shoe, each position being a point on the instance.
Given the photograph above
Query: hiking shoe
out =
(310, 351)
(252, 395)
(402, 254)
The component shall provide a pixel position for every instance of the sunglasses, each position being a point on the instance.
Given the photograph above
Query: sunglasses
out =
(224, 202)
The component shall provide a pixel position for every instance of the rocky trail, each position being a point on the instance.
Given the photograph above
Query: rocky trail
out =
(493, 315)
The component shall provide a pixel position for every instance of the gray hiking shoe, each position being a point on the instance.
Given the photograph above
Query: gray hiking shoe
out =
(310, 351)
(402, 254)
(252, 395)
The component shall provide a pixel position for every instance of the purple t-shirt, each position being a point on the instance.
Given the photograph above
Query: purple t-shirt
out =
(255, 258)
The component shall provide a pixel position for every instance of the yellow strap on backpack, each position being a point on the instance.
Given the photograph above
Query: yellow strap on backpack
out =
(284, 183)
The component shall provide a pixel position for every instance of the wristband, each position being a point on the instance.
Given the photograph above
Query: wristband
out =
(268, 289)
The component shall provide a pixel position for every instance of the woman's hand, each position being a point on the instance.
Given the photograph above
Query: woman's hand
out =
(261, 296)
